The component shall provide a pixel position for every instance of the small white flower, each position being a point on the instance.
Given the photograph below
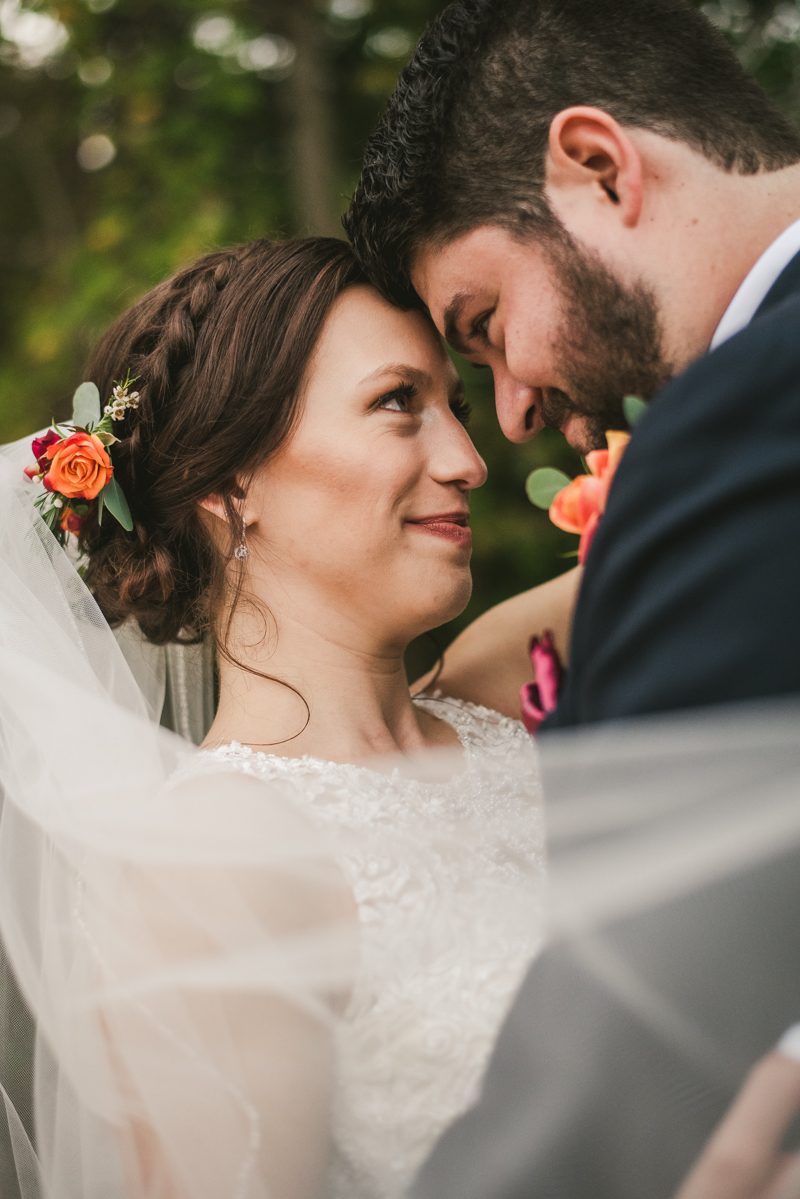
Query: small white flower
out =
(120, 401)
(58, 503)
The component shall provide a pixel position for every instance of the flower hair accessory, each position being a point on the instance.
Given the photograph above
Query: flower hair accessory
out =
(74, 466)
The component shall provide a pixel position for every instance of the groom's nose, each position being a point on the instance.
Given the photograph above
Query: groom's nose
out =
(518, 406)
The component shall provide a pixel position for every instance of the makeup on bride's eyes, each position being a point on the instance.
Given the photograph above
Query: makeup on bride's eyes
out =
(397, 400)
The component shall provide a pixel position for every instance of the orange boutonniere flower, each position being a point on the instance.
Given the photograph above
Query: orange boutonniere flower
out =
(576, 505)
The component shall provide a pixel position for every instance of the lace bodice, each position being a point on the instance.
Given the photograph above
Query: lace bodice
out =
(447, 878)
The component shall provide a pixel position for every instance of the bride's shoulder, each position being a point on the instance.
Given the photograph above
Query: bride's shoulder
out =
(476, 724)
(233, 756)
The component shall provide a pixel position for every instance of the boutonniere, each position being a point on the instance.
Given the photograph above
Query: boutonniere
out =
(576, 505)
(74, 466)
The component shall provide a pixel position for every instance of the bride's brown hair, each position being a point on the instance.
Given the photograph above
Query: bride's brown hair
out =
(220, 352)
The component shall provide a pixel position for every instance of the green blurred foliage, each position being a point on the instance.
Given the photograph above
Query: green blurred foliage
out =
(204, 149)
(137, 134)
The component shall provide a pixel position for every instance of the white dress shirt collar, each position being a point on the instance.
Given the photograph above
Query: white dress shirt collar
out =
(756, 284)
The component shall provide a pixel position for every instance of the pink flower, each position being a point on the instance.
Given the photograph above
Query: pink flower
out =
(540, 698)
(40, 446)
(70, 521)
(579, 506)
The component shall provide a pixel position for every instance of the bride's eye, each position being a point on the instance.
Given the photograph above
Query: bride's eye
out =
(398, 400)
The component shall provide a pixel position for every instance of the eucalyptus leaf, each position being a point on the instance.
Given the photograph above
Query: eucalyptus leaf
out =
(543, 485)
(114, 499)
(86, 406)
(634, 410)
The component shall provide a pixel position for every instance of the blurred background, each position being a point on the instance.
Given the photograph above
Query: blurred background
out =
(136, 135)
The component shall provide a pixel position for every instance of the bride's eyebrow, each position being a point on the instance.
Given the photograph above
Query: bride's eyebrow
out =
(399, 370)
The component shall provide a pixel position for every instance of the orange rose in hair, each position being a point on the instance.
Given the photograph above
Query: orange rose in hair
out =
(79, 467)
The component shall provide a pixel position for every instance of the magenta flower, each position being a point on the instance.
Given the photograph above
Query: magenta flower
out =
(40, 446)
(538, 699)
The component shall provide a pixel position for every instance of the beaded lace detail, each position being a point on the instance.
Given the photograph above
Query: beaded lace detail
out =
(447, 877)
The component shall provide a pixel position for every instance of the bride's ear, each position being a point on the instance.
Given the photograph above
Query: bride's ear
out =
(215, 504)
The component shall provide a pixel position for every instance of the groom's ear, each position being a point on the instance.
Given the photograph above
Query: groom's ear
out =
(591, 158)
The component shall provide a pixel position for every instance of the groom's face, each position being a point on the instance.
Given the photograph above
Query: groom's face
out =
(565, 338)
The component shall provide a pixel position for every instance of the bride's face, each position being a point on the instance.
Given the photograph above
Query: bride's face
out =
(363, 513)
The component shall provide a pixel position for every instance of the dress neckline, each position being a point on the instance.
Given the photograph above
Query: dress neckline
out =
(456, 713)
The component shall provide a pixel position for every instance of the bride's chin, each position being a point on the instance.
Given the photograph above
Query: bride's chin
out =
(448, 603)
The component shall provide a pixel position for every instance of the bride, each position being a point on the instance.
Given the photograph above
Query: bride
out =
(294, 948)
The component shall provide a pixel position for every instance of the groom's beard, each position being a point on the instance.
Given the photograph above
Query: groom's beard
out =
(610, 345)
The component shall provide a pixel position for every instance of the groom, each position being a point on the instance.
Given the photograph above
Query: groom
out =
(594, 200)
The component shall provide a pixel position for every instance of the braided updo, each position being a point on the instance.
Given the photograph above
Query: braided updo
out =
(220, 352)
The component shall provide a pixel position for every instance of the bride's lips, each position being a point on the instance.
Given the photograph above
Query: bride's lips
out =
(452, 526)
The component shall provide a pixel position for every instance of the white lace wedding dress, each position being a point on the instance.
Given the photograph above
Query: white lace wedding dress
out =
(447, 930)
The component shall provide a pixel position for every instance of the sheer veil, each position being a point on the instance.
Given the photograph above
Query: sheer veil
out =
(176, 681)
(180, 947)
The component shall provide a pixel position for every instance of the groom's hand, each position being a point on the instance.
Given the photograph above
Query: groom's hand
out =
(744, 1159)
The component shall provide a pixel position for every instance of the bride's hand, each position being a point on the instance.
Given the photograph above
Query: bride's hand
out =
(744, 1159)
(489, 662)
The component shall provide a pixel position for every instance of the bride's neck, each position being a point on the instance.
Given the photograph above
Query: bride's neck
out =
(357, 696)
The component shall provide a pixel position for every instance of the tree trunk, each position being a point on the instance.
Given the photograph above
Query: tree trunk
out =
(310, 136)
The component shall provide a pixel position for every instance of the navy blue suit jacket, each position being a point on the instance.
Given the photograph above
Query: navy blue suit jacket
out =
(691, 594)
(691, 597)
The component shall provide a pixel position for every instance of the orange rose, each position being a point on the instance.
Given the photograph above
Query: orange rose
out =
(579, 506)
(79, 466)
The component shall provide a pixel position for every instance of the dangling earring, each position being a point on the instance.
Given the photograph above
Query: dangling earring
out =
(241, 552)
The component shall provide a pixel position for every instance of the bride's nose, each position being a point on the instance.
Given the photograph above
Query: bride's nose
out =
(454, 459)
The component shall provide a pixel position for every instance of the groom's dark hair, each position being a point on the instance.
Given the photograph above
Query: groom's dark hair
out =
(464, 138)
